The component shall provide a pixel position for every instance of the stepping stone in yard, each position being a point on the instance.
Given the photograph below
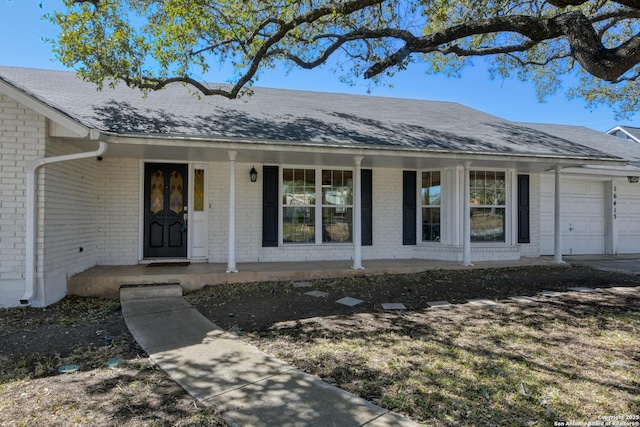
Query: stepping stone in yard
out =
(69, 369)
(348, 301)
(550, 294)
(439, 304)
(317, 294)
(393, 306)
(301, 284)
(581, 289)
(481, 302)
(522, 299)
(112, 363)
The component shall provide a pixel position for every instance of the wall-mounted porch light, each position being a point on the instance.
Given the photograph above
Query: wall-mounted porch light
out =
(633, 179)
(253, 174)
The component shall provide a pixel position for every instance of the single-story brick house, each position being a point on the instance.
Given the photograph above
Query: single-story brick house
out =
(113, 177)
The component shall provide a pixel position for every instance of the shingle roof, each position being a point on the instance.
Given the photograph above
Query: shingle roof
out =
(295, 116)
(633, 131)
(619, 147)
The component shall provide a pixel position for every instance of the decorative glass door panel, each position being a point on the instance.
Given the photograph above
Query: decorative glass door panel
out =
(198, 217)
(165, 205)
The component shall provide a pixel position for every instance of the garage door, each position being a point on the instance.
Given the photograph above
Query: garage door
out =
(583, 219)
(628, 218)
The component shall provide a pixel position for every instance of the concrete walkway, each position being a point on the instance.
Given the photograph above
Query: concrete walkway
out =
(251, 387)
(626, 264)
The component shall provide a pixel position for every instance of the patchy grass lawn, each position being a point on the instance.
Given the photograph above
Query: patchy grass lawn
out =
(87, 332)
(573, 358)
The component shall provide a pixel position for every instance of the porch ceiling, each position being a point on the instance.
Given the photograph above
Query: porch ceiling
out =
(337, 155)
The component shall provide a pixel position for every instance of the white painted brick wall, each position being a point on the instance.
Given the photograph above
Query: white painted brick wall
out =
(22, 139)
(387, 225)
(67, 216)
(117, 183)
(70, 210)
(219, 210)
(248, 214)
(118, 217)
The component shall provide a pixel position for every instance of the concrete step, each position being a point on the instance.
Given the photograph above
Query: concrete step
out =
(160, 290)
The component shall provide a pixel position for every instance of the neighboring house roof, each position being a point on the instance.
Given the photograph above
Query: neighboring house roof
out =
(629, 132)
(299, 117)
(615, 146)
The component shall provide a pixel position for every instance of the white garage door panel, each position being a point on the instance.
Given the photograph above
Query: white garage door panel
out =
(628, 218)
(583, 221)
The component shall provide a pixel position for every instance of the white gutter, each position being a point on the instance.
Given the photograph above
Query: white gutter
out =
(32, 226)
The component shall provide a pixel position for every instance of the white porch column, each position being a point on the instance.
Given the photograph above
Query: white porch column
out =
(466, 220)
(357, 216)
(557, 221)
(231, 263)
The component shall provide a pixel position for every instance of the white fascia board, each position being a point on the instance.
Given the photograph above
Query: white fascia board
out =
(613, 130)
(70, 127)
(354, 149)
(604, 171)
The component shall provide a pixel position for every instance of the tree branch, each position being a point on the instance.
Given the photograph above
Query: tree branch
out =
(308, 33)
(337, 8)
(634, 4)
(586, 46)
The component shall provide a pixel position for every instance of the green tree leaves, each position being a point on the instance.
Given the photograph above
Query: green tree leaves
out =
(151, 43)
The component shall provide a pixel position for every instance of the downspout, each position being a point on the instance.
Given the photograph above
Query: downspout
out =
(32, 226)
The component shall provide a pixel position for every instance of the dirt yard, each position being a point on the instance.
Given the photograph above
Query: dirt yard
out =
(463, 365)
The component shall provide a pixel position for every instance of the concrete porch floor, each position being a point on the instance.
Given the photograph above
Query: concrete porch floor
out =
(105, 281)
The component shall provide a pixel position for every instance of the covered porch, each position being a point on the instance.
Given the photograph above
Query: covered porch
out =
(105, 281)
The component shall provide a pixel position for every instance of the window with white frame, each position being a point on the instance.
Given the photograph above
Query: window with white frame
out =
(431, 196)
(488, 205)
(298, 205)
(304, 219)
(337, 205)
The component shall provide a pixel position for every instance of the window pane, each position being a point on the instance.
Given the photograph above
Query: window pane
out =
(487, 224)
(157, 191)
(198, 190)
(337, 187)
(487, 188)
(298, 225)
(431, 188)
(175, 191)
(298, 187)
(430, 224)
(287, 185)
(501, 188)
(327, 180)
(337, 224)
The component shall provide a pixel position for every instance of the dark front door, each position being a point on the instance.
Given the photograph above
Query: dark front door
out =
(165, 206)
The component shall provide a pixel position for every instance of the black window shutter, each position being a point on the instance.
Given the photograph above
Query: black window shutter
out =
(523, 209)
(409, 207)
(270, 180)
(367, 206)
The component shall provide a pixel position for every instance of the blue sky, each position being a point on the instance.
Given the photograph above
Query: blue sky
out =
(22, 29)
